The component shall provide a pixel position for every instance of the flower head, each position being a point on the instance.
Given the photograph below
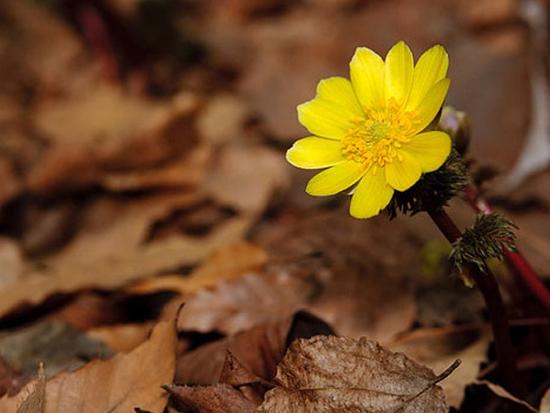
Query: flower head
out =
(370, 131)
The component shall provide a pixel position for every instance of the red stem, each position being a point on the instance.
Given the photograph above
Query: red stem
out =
(514, 259)
(488, 287)
(97, 34)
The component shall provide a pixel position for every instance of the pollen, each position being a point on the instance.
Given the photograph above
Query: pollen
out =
(374, 140)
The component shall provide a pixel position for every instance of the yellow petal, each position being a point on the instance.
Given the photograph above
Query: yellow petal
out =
(429, 149)
(315, 153)
(331, 113)
(404, 173)
(335, 179)
(431, 104)
(339, 90)
(399, 69)
(367, 77)
(371, 195)
(430, 69)
(324, 118)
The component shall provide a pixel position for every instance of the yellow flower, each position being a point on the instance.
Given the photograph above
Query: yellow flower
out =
(370, 131)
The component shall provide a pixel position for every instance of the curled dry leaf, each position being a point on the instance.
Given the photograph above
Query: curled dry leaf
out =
(11, 380)
(246, 177)
(346, 257)
(116, 385)
(502, 392)
(436, 348)
(257, 350)
(241, 304)
(218, 398)
(35, 400)
(113, 257)
(222, 119)
(58, 345)
(108, 129)
(331, 374)
(227, 262)
(121, 337)
(11, 261)
(545, 402)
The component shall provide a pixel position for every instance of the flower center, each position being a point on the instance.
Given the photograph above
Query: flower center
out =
(374, 140)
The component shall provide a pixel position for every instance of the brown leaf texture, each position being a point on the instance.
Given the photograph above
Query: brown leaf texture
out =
(545, 402)
(332, 374)
(230, 261)
(436, 348)
(257, 350)
(244, 303)
(115, 257)
(219, 398)
(116, 385)
(501, 392)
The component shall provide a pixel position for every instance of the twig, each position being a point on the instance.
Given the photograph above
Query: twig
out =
(497, 313)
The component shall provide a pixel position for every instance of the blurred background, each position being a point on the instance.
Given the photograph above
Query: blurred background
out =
(139, 137)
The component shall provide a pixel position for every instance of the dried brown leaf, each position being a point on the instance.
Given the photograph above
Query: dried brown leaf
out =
(258, 350)
(11, 261)
(502, 392)
(437, 348)
(112, 257)
(35, 401)
(122, 337)
(241, 304)
(331, 374)
(218, 398)
(247, 177)
(363, 286)
(545, 402)
(56, 344)
(228, 262)
(222, 120)
(11, 380)
(116, 385)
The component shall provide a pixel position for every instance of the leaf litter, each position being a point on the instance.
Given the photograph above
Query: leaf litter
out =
(125, 197)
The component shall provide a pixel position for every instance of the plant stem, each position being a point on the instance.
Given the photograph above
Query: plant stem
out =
(488, 286)
(515, 260)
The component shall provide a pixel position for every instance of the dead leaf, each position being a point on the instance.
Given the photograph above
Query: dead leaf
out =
(91, 309)
(57, 344)
(11, 380)
(545, 402)
(258, 350)
(237, 305)
(246, 177)
(226, 263)
(11, 261)
(501, 392)
(121, 338)
(108, 258)
(101, 135)
(218, 398)
(35, 401)
(11, 184)
(437, 348)
(328, 374)
(183, 173)
(115, 385)
(222, 120)
(236, 374)
(364, 288)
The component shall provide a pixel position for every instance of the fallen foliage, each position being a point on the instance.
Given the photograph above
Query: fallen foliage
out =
(118, 385)
(326, 374)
